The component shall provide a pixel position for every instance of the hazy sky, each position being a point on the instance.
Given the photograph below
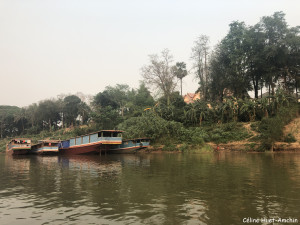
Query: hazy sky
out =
(49, 47)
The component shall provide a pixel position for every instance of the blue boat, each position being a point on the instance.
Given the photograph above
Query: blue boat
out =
(45, 147)
(92, 143)
(130, 146)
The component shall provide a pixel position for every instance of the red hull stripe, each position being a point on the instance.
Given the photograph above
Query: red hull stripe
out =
(95, 143)
(20, 148)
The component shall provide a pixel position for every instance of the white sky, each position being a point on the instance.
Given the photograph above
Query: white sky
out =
(49, 47)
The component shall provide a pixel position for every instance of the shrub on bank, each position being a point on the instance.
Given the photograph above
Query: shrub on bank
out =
(227, 132)
(271, 129)
(289, 138)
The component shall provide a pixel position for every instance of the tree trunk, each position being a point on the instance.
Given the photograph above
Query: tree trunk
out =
(50, 125)
(296, 90)
(22, 125)
(62, 120)
(269, 93)
(272, 147)
(181, 86)
(1, 130)
(205, 76)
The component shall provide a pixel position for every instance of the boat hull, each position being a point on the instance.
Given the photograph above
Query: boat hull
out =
(46, 152)
(129, 150)
(18, 151)
(81, 150)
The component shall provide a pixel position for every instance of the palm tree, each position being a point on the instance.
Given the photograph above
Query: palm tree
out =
(229, 110)
(180, 71)
(264, 105)
(249, 107)
(191, 113)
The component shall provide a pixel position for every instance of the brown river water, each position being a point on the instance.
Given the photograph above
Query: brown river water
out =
(204, 188)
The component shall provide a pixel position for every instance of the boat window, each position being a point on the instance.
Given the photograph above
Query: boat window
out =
(109, 134)
(106, 134)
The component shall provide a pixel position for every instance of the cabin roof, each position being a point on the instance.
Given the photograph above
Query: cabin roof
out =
(48, 141)
(20, 139)
(113, 131)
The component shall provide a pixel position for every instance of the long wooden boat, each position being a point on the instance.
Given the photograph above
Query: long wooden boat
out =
(92, 143)
(18, 146)
(130, 146)
(45, 147)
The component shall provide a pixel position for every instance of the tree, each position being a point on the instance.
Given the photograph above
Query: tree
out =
(71, 109)
(274, 28)
(180, 71)
(254, 44)
(120, 95)
(84, 111)
(200, 53)
(20, 117)
(7, 123)
(158, 74)
(103, 99)
(106, 117)
(48, 113)
(219, 75)
(143, 97)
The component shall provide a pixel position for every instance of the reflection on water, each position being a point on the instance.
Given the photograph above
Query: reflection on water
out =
(217, 188)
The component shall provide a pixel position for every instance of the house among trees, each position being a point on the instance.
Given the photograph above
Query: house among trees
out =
(191, 97)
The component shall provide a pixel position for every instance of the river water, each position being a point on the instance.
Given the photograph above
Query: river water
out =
(206, 188)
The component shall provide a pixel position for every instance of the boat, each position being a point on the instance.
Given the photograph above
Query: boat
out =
(18, 146)
(130, 146)
(93, 143)
(45, 147)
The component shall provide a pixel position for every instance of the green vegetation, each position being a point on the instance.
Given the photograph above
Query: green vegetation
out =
(248, 58)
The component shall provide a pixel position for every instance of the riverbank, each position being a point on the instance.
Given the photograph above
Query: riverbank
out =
(225, 139)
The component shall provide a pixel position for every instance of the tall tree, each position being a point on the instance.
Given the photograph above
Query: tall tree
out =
(232, 59)
(32, 114)
(275, 30)
(143, 97)
(48, 113)
(180, 71)
(120, 95)
(71, 109)
(219, 75)
(200, 54)
(159, 75)
(253, 46)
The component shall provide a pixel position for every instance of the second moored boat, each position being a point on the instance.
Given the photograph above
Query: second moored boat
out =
(130, 146)
(45, 147)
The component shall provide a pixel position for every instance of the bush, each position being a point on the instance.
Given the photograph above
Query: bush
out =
(271, 129)
(152, 126)
(289, 138)
(224, 133)
(169, 147)
(184, 147)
